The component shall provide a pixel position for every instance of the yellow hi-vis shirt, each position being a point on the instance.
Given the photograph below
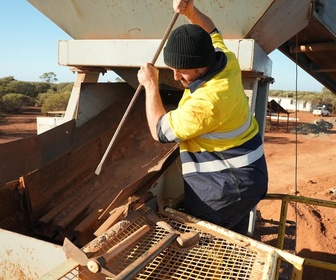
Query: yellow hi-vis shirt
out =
(216, 116)
(220, 148)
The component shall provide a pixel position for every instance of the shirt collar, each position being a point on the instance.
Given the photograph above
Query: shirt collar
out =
(219, 66)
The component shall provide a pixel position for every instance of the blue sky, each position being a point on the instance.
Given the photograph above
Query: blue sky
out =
(29, 43)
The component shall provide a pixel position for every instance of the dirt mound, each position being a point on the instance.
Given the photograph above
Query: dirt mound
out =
(317, 127)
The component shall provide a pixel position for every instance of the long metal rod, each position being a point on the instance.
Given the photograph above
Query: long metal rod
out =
(136, 94)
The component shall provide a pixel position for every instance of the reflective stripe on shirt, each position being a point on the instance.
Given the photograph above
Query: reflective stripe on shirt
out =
(167, 130)
(218, 165)
(231, 134)
(170, 135)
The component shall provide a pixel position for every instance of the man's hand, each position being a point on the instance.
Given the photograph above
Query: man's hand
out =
(148, 76)
(183, 6)
(194, 15)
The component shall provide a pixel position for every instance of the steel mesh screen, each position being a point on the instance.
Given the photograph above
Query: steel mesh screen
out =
(211, 258)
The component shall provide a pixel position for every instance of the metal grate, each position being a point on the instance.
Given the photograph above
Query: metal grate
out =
(212, 258)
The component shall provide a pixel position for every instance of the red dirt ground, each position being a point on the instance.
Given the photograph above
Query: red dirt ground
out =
(17, 126)
(302, 165)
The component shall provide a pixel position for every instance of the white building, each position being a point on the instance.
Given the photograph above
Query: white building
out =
(290, 104)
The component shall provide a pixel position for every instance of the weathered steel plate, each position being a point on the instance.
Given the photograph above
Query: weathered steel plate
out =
(25, 155)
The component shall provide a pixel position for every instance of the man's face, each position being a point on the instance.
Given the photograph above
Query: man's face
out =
(187, 76)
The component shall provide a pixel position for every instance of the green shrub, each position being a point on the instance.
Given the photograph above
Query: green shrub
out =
(13, 102)
(42, 97)
(55, 102)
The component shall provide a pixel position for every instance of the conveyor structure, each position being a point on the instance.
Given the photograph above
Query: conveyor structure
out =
(54, 192)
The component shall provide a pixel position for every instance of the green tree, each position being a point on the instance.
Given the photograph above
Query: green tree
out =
(49, 77)
(328, 98)
(42, 87)
(64, 87)
(25, 88)
(6, 80)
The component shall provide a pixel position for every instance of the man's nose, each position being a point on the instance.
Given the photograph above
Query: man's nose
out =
(177, 75)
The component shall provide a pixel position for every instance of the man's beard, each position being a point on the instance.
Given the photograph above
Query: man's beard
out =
(184, 83)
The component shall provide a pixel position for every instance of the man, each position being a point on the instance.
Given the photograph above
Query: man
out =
(223, 163)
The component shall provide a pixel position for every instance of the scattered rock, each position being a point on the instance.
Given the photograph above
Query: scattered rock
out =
(333, 191)
(311, 182)
(324, 124)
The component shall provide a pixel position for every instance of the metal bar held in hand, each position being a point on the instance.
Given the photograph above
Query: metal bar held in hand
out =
(136, 95)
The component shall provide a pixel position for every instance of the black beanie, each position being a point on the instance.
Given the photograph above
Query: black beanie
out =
(189, 46)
